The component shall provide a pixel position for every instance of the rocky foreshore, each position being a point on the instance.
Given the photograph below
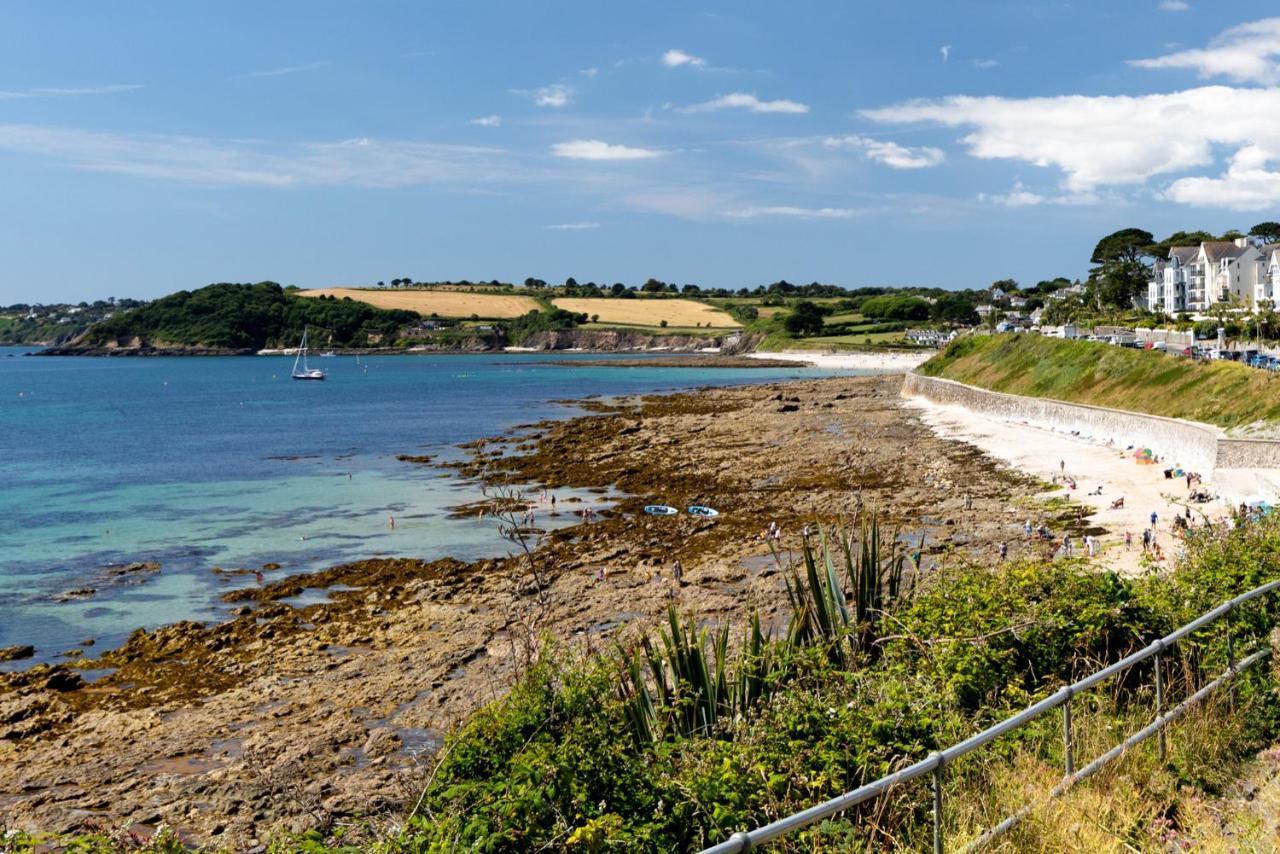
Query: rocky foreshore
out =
(288, 718)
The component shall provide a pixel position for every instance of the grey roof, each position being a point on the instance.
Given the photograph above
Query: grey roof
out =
(1184, 254)
(1216, 250)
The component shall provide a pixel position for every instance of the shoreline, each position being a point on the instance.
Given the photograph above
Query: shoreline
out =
(881, 360)
(401, 649)
(1101, 474)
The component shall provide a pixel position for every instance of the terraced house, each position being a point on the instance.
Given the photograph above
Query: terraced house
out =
(1193, 278)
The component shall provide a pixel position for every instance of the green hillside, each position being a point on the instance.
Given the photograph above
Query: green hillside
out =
(1223, 393)
(244, 317)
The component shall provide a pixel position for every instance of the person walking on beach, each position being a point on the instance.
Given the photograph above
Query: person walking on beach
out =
(968, 501)
(1027, 528)
(391, 523)
(1128, 540)
(1153, 520)
(1004, 551)
(677, 572)
(1146, 539)
(1062, 466)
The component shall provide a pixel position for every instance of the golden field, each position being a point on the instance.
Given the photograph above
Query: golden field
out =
(442, 303)
(649, 312)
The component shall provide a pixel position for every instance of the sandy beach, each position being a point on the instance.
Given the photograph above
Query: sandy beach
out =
(1102, 474)
(884, 360)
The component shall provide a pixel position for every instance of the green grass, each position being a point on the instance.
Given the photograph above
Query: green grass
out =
(704, 331)
(1225, 394)
(851, 317)
(875, 341)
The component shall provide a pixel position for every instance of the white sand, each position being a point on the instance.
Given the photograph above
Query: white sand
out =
(1040, 452)
(875, 361)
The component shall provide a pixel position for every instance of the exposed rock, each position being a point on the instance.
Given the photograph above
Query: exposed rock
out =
(16, 652)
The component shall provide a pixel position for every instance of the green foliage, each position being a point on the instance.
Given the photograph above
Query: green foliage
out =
(1227, 394)
(954, 308)
(1127, 244)
(1267, 232)
(555, 320)
(806, 318)
(247, 317)
(895, 308)
(676, 744)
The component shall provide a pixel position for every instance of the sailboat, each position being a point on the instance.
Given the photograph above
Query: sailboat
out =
(307, 372)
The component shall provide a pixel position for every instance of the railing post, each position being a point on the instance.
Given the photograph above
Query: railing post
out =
(937, 805)
(743, 841)
(1159, 659)
(1068, 742)
(1231, 658)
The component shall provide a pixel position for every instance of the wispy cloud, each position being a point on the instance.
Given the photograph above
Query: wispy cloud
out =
(790, 211)
(556, 95)
(366, 163)
(572, 226)
(69, 91)
(1247, 53)
(284, 70)
(888, 153)
(597, 149)
(487, 121)
(746, 101)
(1174, 5)
(675, 57)
(945, 51)
(1021, 197)
(985, 64)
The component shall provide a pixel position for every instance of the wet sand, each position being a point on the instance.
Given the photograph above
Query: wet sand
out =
(288, 718)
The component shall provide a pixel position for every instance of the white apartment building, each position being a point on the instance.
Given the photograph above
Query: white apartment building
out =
(1193, 278)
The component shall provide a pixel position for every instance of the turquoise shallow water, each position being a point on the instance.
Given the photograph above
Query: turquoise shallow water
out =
(226, 462)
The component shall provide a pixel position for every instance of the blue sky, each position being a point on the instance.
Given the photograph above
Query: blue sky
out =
(146, 148)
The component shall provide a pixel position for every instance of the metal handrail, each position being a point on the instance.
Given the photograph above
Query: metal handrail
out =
(936, 763)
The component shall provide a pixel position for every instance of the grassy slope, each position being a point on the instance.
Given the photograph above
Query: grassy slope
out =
(1222, 393)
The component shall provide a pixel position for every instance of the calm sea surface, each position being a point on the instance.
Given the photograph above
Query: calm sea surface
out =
(199, 463)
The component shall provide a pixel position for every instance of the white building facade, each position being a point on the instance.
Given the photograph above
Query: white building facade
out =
(1193, 278)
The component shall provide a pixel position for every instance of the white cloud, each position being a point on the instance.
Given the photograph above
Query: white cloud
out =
(597, 149)
(889, 153)
(789, 211)
(945, 50)
(63, 92)
(746, 101)
(287, 69)
(1121, 140)
(1247, 53)
(1246, 185)
(572, 226)
(985, 64)
(365, 163)
(674, 58)
(1020, 197)
(589, 72)
(487, 121)
(556, 95)
(1174, 5)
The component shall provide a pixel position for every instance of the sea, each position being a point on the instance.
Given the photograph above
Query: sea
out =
(228, 463)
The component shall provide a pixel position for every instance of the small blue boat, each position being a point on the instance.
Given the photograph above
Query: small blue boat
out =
(704, 512)
(660, 510)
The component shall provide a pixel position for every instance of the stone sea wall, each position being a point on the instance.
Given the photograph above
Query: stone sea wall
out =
(1199, 447)
(1189, 444)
